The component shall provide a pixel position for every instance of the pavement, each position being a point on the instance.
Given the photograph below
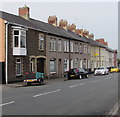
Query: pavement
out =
(46, 81)
(21, 84)
(96, 95)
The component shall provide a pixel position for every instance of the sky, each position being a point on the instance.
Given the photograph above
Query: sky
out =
(99, 18)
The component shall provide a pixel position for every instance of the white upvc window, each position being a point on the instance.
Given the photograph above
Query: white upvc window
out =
(52, 66)
(59, 45)
(77, 48)
(51, 45)
(76, 63)
(32, 62)
(41, 42)
(71, 64)
(81, 63)
(66, 65)
(80, 48)
(71, 46)
(19, 38)
(54, 45)
(65, 48)
(18, 67)
(88, 49)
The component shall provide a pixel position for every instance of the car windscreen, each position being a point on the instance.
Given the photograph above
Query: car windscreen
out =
(114, 67)
(100, 68)
(81, 70)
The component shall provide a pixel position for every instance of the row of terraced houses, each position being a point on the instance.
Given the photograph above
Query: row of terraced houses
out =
(30, 45)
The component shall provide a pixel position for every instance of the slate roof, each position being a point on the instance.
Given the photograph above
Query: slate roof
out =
(48, 28)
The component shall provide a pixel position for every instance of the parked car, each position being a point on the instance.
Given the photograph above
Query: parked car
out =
(101, 71)
(77, 73)
(34, 77)
(115, 69)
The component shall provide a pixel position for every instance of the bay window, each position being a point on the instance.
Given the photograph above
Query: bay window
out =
(19, 41)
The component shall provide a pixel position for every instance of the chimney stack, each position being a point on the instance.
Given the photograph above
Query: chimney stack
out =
(102, 41)
(24, 12)
(52, 20)
(79, 31)
(63, 23)
(72, 27)
(91, 36)
(85, 33)
(106, 43)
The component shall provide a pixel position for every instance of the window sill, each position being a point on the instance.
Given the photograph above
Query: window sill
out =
(19, 75)
(66, 52)
(52, 51)
(52, 72)
(41, 50)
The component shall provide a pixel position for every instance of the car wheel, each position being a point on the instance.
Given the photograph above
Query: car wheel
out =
(68, 78)
(80, 76)
(41, 81)
(86, 76)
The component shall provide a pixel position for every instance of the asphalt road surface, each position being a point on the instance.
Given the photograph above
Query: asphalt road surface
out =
(95, 95)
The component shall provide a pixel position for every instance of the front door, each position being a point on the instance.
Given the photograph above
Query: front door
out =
(40, 65)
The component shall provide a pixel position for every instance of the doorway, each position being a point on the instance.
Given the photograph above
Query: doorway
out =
(41, 65)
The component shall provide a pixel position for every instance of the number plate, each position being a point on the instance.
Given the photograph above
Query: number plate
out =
(72, 75)
(30, 80)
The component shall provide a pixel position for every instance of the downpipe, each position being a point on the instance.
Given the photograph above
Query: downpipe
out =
(6, 51)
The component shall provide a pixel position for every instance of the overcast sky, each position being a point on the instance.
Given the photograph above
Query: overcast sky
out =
(99, 18)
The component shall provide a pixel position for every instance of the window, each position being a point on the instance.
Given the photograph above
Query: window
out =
(59, 45)
(52, 66)
(71, 64)
(66, 65)
(77, 49)
(81, 66)
(18, 67)
(65, 48)
(54, 45)
(19, 38)
(71, 46)
(16, 38)
(76, 63)
(32, 65)
(88, 49)
(51, 44)
(80, 48)
(41, 42)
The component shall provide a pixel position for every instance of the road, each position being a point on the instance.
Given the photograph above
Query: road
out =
(93, 96)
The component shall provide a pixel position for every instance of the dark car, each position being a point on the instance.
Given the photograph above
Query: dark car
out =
(76, 73)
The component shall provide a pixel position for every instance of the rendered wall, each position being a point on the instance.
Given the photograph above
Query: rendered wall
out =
(2, 40)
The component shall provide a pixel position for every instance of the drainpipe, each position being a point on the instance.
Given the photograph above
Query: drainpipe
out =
(6, 38)
(69, 56)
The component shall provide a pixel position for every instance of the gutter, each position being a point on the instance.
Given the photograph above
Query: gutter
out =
(6, 51)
